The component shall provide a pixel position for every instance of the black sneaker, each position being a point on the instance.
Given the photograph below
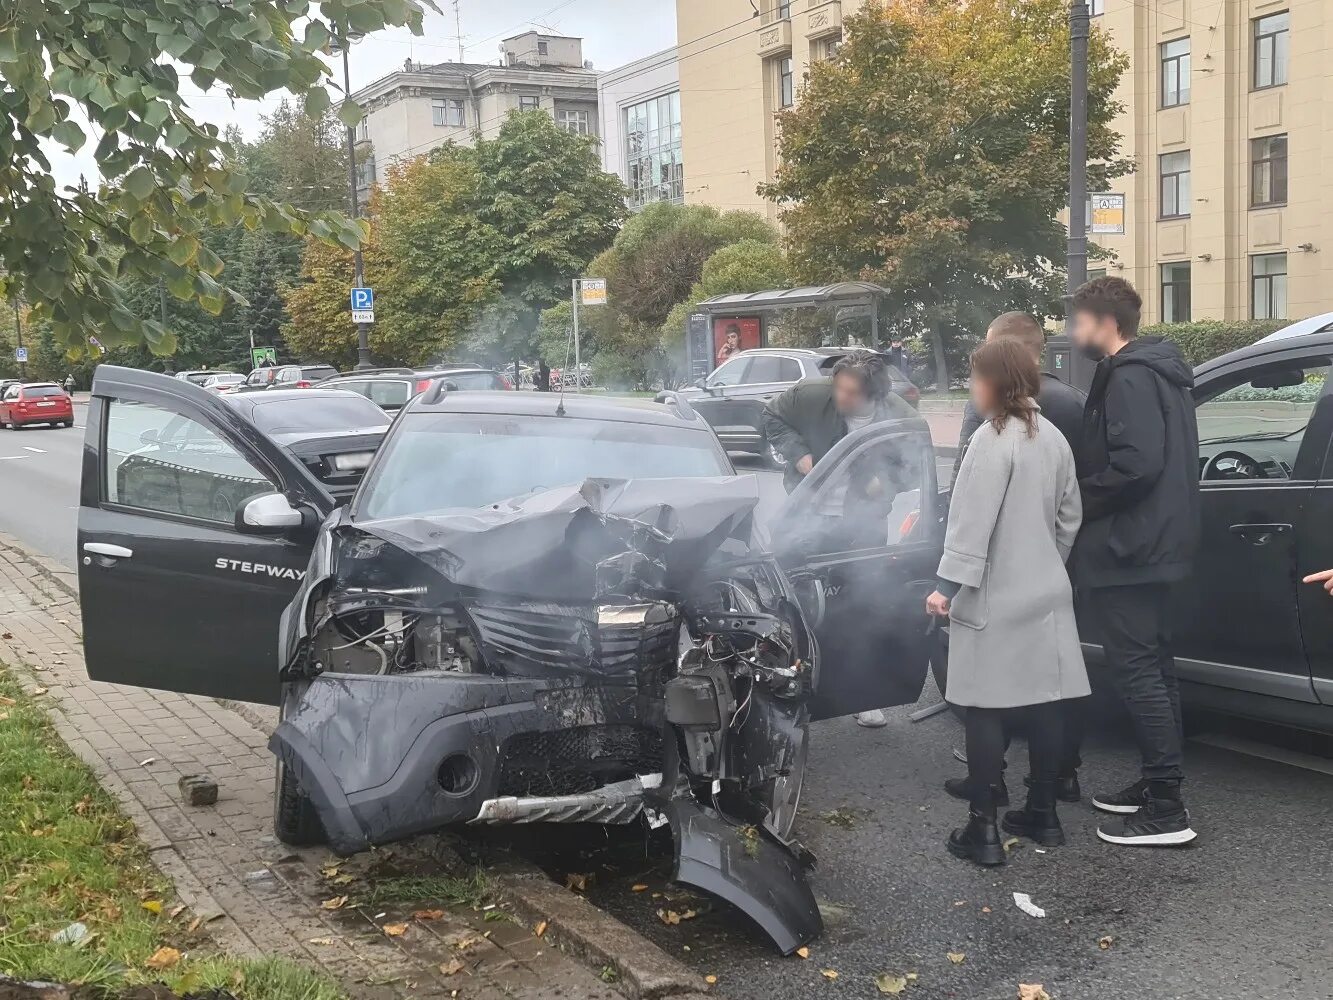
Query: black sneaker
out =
(1123, 802)
(1158, 823)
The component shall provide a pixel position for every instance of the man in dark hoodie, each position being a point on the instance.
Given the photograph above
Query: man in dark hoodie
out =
(1138, 467)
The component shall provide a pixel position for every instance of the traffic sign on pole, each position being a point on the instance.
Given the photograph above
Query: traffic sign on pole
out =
(592, 291)
(363, 298)
(21, 355)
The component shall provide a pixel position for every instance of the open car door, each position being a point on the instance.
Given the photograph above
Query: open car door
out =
(860, 539)
(194, 533)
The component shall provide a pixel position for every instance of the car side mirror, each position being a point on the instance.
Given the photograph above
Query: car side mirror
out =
(451, 386)
(268, 514)
(149, 436)
(700, 383)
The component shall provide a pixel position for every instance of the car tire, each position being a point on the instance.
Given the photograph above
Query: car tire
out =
(784, 792)
(14, 425)
(295, 821)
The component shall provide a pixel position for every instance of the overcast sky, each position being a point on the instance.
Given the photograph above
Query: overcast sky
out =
(614, 32)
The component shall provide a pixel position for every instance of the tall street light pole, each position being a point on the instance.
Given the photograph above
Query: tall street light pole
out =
(359, 278)
(1076, 369)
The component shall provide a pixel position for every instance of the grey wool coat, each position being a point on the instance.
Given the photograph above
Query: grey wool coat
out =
(1013, 517)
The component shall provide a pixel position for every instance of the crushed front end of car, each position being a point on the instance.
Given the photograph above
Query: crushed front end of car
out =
(592, 653)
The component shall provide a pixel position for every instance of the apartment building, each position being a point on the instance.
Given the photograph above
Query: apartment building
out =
(641, 128)
(411, 111)
(1224, 215)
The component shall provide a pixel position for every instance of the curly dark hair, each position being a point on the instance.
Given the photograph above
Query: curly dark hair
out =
(1012, 372)
(871, 369)
(1113, 297)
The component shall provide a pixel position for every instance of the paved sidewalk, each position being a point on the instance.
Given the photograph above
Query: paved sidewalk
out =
(263, 897)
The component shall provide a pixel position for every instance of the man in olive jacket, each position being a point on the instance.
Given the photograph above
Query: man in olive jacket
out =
(806, 421)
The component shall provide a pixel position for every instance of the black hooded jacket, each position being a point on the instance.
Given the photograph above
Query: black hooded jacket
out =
(1138, 469)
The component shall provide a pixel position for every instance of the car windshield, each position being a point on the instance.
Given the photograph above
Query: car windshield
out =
(439, 461)
(472, 380)
(317, 413)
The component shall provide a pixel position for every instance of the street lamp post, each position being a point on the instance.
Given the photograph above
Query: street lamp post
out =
(1079, 369)
(359, 278)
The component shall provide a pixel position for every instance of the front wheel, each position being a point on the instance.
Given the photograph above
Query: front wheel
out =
(295, 821)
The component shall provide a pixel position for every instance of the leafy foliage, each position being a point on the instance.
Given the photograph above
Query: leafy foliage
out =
(931, 157)
(1207, 339)
(117, 68)
(467, 246)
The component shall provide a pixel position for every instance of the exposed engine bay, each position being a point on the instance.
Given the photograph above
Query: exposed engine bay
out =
(610, 652)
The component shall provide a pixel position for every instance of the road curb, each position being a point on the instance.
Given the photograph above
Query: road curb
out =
(644, 971)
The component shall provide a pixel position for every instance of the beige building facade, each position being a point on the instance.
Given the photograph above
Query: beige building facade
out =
(1226, 212)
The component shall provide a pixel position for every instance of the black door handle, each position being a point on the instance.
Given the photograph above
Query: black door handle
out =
(1259, 534)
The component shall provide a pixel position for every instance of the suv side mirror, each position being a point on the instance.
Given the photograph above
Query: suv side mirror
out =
(701, 382)
(149, 436)
(267, 514)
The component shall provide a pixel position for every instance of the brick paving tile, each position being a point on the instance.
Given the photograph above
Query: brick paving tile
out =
(224, 860)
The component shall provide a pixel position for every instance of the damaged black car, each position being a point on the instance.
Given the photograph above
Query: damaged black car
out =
(533, 610)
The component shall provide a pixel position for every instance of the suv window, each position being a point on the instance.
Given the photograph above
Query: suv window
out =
(1252, 429)
(317, 373)
(730, 373)
(13, 392)
(289, 375)
(161, 461)
(361, 388)
(260, 376)
(766, 368)
(389, 392)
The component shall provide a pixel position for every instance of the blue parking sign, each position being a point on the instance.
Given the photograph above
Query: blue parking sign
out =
(363, 298)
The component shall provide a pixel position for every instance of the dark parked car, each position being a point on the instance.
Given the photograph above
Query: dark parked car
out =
(285, 377)
(533, 610)
(732, 398)
(334, 432)
(391, 390)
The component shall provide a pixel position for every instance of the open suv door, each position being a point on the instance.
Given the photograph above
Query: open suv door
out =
(860, 539)
(194, 533)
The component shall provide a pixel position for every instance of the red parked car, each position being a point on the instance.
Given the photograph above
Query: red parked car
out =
(36, 403)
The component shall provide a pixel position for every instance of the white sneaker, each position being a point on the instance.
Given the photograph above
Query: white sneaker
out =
(874, 719)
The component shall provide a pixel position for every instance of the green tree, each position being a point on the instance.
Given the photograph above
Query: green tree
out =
(166, 176)
(931, 157)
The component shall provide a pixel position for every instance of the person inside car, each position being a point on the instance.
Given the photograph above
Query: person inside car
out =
(808, 419)
(1139, 476)
(1013, 642)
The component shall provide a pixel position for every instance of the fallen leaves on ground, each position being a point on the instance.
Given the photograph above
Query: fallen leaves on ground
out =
(639, 887)
(672, 918)
(803, 952)
(395, 930)
(891, 985)
(710, 980)
(467, 944)
(176, 911)
(541, 928)
(153, 906)
(336, 903)
(829, 974)
(321, 941)
(985, 909)
(577, 881)
(39, 691)
(7, 701)
(1011, 843)
(328, 871)
(453, 967)
(1032, 991)
(1105, 942)
(428, 915)
(163, 958)
(956, 957)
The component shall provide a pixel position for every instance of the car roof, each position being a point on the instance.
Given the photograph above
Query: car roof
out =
(1321, 340)
(545, 404)
(40, 385)
(1313, 324)
(253, 399)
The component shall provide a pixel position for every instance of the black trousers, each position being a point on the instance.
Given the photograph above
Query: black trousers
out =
(1073, 713)
(988, 738)
(1134, 622)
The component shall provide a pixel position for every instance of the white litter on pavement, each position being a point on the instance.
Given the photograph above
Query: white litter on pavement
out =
(72, 934)
(1024, 902)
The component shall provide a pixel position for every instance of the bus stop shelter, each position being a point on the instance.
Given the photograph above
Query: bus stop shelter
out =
(726, 323)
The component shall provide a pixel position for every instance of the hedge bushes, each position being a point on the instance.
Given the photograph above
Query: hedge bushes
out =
(1208, 339)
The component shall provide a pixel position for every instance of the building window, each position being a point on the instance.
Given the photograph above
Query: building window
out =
(543, 49)
(446, 112)
(529, 102)
(1096, 7)
(1272, 50)
(1175, 190)
(572, 121)
(1175, 72)
(1176, 292)
(1096, 272)
(363, 130)
(783, 10)
(1268, 286)
(655, 171)
(365, 172)
(1268, 171)
(828, 47)
(786, 91)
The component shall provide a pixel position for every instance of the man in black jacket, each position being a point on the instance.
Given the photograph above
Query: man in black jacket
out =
(1138, 467)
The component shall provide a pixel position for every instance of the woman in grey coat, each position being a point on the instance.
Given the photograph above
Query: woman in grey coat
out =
(1013, 642)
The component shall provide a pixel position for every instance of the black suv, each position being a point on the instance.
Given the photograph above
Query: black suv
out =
(534, 609)
(733, 397)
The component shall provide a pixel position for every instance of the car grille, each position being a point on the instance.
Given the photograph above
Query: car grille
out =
(565, 640)
(581, 759)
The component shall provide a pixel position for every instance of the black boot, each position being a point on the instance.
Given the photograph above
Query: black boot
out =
(979, 840)
(961, 788)
(1067, 788)
(1037, 820)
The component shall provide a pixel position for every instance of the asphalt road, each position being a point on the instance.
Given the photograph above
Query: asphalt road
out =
(1247, 912)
